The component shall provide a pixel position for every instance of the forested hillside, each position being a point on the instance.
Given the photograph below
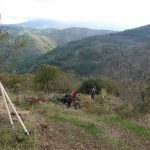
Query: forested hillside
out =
(98, 54)
(28, 43)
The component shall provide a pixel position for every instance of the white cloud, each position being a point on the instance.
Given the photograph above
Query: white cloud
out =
(127, 12)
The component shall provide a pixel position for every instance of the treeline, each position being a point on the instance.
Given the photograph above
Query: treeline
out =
(52, 79)
(46, 79)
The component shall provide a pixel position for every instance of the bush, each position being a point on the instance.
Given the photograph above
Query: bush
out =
(125, 110)
(111, 86)
(55, 99)
(132, 109)
(88, 85)
(100, 83)
(142, 107)
(98, 106)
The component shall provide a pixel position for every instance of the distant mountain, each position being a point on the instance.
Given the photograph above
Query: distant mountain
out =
(44, 23)
(72, 34)
(100, 54)
(55, 24)
(38, 42)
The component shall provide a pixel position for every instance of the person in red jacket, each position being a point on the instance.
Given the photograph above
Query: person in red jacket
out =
(73, 94)
(72, 97)
(69, 98)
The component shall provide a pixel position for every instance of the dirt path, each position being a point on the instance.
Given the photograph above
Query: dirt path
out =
(116, 133)
(64, 136)
(139, 142)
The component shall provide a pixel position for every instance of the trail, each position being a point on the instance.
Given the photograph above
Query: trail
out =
(130, 139)
(65, 136)
(114, 132)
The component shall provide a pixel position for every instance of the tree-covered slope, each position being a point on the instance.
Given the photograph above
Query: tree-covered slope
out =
(35, 43)
(72, 34)
(99, 54)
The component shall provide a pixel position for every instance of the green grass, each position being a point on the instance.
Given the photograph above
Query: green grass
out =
(128, 125)
(8, 140)
(136, 128)
(90, 127)
(23, 105)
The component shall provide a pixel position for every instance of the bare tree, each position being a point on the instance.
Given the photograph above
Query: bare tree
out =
(132, 70)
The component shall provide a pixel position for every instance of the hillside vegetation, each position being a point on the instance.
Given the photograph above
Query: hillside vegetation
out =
(122, 56)
(99, 54)
(34, 43)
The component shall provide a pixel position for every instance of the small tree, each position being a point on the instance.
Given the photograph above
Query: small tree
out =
(67, 81)
(44, 76)
(132, 69)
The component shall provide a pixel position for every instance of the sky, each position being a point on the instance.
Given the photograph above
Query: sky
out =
(116, 14)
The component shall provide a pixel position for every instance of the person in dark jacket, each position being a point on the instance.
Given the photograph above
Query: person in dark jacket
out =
(93, 92)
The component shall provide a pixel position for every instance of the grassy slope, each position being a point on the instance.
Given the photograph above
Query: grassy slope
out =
(72, 129)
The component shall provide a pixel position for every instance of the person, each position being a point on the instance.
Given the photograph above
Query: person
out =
(73, 94)
(72, 97)
(69, 98)
(93, 92)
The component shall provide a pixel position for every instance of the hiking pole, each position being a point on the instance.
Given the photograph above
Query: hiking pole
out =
(6, 105)
(14, 109)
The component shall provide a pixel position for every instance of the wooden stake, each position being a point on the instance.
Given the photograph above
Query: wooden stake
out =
(6, 105)
(14, 109)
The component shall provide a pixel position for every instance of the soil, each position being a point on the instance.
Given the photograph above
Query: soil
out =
(65, 136)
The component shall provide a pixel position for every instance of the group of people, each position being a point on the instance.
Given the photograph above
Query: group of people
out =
(70, 98)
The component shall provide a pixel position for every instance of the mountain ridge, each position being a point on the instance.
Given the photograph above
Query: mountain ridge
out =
(59, 24)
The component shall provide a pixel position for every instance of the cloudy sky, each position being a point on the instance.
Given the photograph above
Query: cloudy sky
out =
(113, 13)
